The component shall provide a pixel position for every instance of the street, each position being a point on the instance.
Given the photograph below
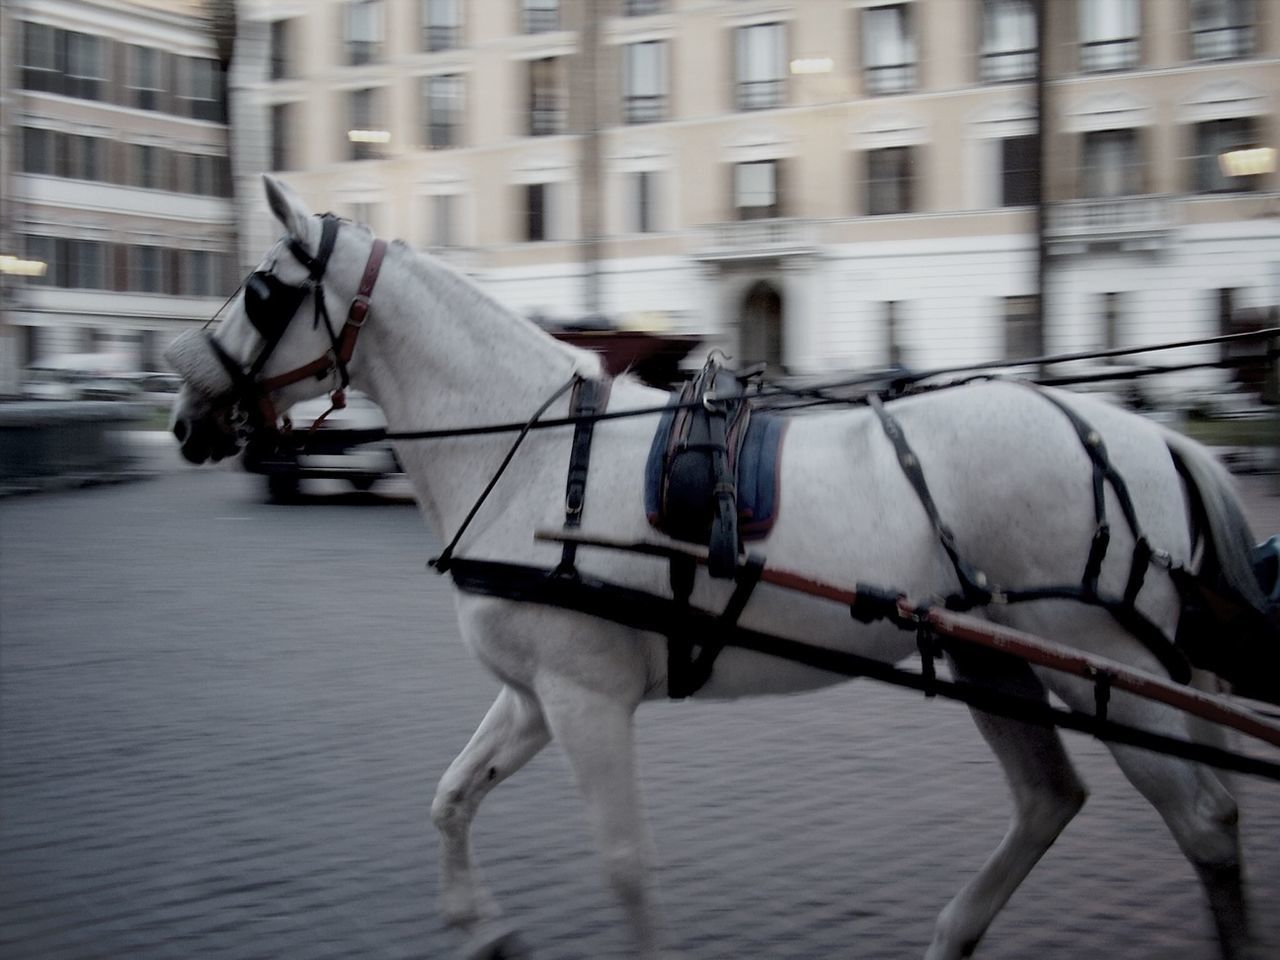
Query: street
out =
(222, 722)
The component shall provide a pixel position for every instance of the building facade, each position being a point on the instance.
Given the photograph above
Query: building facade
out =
(822, 184)
(114, 172)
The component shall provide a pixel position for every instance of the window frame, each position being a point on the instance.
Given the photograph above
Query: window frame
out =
(440, 34)
(1110, 53)
(442, 128)
(741, 190)
(644, 106)
(760, 81)
(360, 51)
(999, 63)
(1133, 169)
(881, 78)
(879, 175)
(1234, 39)
(1247, 137)
(539, 16)
(546, 86)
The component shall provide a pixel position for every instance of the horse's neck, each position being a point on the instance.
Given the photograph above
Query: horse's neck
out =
(440, 353)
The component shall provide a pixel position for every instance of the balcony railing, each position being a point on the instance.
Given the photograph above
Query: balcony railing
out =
(440, 37)
(760, 94)
(757, 239)
(891, 78)
(541, 19)
(1001, 65)
(546, 121)
(641, 8)
(648, 108)
(1097, 56)
(1130, 223)
(1222, 43)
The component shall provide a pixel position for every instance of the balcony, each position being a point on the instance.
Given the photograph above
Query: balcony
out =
(1117, 223)
(756, 239)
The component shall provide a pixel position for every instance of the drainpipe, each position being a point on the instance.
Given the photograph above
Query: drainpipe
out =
(1042, 177)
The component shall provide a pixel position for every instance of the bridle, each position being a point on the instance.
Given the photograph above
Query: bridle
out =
(271, 305)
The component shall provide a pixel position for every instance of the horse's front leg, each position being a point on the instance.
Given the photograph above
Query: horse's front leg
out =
(595, 731)
(508, 737)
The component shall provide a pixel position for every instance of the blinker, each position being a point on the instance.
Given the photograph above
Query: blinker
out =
(270, 303)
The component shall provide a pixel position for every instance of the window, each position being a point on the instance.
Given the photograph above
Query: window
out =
(756, 194)
(40, 69)
(281, 136)
(893, 334)
(546, 115)
(1109, 31)
(645, 201)
(890, 180)
(540, 16)
(281, 34)
(538, 211)
(1221, 29)
(199, 277)
(1218, 144)
(363, 31)
(1111, 320)
(442, 212)
(85, 73)
(146, 269)
(207, 177)
(442, 111)
(365, 133)
(146, 166)
(203, 89)
(79, 158)
(1112, 163)
(1019, 172)
(761, 66)
(888, 49)
(1021, 327)
(1008, 40)
(641, 8)
(441, 24)
(38, 150)
(144, 78)
(44, 249)
(645, 82)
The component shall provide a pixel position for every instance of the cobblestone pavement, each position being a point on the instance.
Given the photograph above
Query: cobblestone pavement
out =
(221, 723)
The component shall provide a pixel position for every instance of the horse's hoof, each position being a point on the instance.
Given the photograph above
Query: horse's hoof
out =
(498, 943)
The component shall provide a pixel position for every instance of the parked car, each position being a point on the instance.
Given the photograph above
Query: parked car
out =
(345, 446)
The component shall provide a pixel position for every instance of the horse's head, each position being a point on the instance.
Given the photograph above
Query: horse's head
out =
(281, 339)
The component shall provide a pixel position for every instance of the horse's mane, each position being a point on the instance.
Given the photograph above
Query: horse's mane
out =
(443, 277)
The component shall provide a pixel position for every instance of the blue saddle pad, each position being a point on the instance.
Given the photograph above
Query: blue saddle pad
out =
(756, 473)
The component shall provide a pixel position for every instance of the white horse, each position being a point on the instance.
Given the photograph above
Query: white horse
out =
(1004, 465)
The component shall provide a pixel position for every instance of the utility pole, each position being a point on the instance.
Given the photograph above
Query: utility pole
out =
(586, 89)
(1042, 177)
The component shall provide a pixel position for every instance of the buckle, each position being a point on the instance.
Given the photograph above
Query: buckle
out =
(362, 300)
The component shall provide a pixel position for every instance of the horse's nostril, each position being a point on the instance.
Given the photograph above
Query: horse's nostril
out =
(180, 431)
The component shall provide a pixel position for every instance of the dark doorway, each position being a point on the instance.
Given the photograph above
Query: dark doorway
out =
(761, 327)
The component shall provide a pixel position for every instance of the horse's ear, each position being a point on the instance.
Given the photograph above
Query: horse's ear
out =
(287, 207)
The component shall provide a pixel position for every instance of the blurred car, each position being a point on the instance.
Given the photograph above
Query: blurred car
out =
(346, 446)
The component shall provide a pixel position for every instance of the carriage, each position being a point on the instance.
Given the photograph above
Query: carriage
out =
(611, 544)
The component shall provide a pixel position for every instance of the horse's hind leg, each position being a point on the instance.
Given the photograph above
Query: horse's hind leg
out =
(1202, 816)
(509, 735)
(1047, 793)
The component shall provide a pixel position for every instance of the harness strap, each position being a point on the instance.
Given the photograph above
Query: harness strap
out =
(344, 343)
(444, 561)
(589, 398)
(973, 583)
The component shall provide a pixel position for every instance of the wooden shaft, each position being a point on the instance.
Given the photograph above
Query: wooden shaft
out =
(969, 629)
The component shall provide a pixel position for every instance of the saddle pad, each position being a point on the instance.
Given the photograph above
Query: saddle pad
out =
(756, 473)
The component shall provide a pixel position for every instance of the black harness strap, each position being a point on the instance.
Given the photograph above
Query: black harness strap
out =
(976, 591)
(590, 397)
(973, 583)
(687, 672)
